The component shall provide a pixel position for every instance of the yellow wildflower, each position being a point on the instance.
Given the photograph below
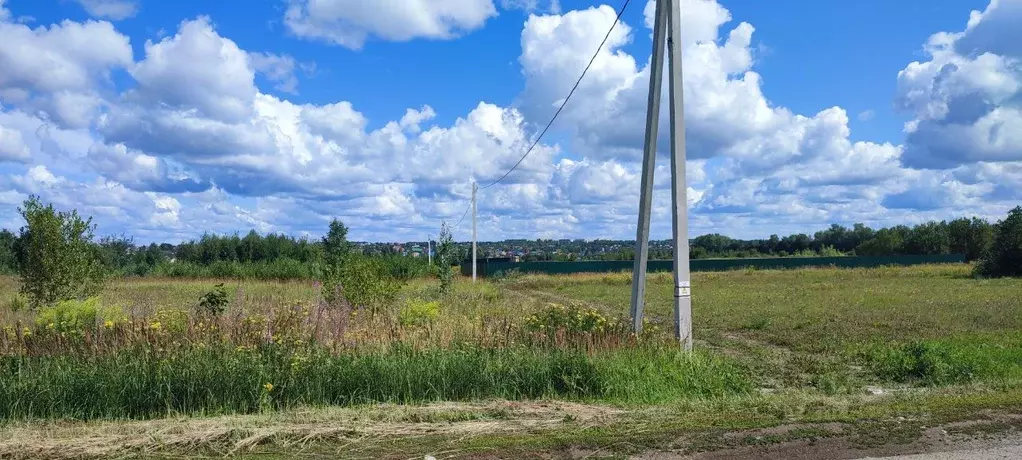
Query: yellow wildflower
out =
(156, 326)
(108, 324)
(268, 387)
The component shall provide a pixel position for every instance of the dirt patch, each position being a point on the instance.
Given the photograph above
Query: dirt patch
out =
(853, 441)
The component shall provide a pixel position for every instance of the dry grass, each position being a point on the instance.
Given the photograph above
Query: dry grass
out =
(291, 430)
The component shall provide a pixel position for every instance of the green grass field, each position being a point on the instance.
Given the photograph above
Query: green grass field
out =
(772, 347)
(802, 327)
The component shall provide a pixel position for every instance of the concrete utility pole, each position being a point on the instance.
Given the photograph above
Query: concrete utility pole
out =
(475, 187)
(679, 189)
(648, 165)
(429, 248)
(668, 16)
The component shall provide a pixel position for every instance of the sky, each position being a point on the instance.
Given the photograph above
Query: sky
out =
(164, 120)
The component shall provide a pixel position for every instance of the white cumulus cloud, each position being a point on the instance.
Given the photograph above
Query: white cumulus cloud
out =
(350, 23)
(110, 9)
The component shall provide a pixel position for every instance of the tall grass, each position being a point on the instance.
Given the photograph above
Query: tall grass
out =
(947, 361)
(144, 350)
(95, 359)
(141, 382)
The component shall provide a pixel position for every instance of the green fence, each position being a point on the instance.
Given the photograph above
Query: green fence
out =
(492, 268)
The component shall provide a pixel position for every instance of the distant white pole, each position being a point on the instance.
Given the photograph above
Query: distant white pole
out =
(474, 188)
(679, 205)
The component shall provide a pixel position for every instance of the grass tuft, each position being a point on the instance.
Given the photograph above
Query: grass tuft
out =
(146, 383)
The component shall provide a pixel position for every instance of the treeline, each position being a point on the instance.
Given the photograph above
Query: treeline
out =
(278, 256)
(270, 256)
(969, 237)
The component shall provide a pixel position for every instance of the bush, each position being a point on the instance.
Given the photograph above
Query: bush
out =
(214, 302)
(365, 282)
(829, 251)
(78, 315)
(507, 276)
(1005, 255)
(57, 259)
(278, 269)
(405, 268)
(417, 312)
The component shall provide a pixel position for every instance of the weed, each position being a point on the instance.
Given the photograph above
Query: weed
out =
(214, 302)
(77, 316)
(418, 312)
(17, 303)
(570, 318)
(925, 362)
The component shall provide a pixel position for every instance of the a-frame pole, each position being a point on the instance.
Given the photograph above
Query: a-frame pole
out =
(648, 164)
(679, 205)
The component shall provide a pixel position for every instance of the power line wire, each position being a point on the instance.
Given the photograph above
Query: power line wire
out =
(462, 216)
(570, 93)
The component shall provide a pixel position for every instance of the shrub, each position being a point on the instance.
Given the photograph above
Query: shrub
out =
(279, 269)
(366, 282)
(58, 260)
(829, 251)
(78, 315)
(508, 276)
(405, 268)
(214, 302)
(417, 312)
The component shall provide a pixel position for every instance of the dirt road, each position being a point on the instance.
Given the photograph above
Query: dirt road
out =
(993, 453)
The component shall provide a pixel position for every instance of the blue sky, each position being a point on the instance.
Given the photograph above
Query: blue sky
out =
(168, 119)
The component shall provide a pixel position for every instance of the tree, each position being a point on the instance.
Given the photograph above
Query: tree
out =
(928, 238)
(1005, 256)
(860, 233)
(837, 237)
(445, 255)
(116, 251)
(714, 243)
(335, 243)
(886, 242)
(57, 258)
(970, 237)
(8, 258)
